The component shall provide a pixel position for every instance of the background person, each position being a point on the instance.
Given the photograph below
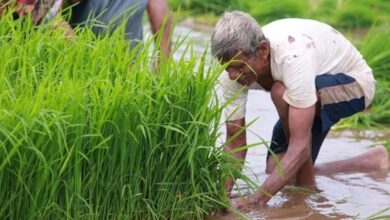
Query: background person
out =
(105, 12)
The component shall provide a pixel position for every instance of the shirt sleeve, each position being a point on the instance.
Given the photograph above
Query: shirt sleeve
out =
(299, 79)
(234, 98)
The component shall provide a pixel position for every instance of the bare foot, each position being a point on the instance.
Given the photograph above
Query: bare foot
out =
(377, 158)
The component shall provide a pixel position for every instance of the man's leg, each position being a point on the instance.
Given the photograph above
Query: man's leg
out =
(280, 137)
(376, 158)
(279, 146)
(341, 96)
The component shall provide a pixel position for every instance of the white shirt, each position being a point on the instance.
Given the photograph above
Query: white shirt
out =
(302, 49)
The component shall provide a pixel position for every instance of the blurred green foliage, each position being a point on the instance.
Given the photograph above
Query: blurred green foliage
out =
(338, 13)
(269, 10)
(216, 7)
(352, 13)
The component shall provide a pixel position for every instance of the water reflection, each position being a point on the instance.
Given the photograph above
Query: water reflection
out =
(341, 196)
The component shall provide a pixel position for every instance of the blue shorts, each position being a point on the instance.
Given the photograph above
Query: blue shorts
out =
(340, 96)
(103, 15)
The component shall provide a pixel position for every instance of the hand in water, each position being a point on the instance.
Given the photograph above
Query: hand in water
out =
(245, 202)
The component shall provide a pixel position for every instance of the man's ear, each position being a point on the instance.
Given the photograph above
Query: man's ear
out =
(264, 49)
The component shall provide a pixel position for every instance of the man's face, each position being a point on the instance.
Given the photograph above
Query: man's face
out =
(247, 69)
(244, 69)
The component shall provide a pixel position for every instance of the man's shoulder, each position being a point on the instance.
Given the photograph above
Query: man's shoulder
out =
(288, 23)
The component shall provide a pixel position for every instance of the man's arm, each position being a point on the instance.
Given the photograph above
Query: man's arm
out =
(158, 10)
(234, 128)
(300, 121)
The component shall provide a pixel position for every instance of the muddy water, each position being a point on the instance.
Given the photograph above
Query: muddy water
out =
(341, 196)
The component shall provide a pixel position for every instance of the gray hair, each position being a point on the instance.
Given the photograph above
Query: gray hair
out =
(235, 32)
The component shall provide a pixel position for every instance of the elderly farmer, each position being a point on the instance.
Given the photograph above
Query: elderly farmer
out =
(315, 77)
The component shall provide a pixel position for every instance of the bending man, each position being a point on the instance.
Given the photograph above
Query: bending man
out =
(315, 77)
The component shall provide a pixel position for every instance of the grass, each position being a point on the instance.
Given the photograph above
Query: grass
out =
(270, 10)
(215, 7)
(89, 131)
(342, 14)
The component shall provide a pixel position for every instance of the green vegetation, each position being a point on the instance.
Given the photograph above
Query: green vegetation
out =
(216, 7)
(270, 10)
(89, 131)
(351, 13)
(338, 13)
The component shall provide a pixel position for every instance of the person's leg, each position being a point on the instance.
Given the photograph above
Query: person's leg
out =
(279, 143)
(376, 158)
(278, 147)
(341, 97)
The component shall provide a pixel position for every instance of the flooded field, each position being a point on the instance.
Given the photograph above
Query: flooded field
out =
(341, 196)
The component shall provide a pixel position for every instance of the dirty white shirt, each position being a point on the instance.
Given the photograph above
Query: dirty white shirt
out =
(302, 49)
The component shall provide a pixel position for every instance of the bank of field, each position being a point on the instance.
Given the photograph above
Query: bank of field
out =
(88, 130)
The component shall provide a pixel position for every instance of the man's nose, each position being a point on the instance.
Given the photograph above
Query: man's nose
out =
(233, 74)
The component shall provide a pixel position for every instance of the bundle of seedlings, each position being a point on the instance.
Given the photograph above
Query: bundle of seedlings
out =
(90, 131)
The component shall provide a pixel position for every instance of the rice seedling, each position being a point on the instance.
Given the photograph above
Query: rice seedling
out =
(213, 6)
(89, 131)
(351, 14)
(270, 10)
(387, 145)
(380, 215)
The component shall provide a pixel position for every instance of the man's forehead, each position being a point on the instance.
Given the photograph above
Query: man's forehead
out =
(238, 58)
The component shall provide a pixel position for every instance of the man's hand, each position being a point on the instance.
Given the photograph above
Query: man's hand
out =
(245, 202)
(300, 121)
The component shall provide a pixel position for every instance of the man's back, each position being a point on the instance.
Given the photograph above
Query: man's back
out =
(303, 48)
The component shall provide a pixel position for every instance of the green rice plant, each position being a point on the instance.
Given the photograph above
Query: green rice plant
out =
(387, 145)
(269, 10)
(216, 7)
(89, 131)
(354, 15)
(382, 214)
(351, 13)
(376, 50)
